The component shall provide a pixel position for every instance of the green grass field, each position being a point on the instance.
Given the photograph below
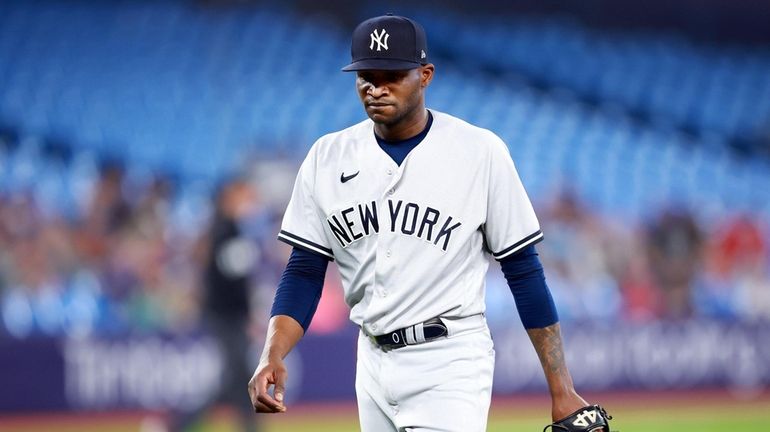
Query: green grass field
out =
(645, 416)
(661, 412)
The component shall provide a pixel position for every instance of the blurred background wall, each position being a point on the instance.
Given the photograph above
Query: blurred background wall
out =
(640, 130)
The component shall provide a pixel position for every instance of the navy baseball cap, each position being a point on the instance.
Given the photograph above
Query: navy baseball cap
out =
(388, 42)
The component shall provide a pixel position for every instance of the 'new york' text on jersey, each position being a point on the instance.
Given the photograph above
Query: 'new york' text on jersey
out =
(410, 240)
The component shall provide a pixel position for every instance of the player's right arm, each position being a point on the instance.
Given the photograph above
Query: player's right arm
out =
(295, 303)
(298, 291)
(283, 333)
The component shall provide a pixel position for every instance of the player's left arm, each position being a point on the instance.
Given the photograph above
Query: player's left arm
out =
(548, 344)
(511, 231)
(526, 278)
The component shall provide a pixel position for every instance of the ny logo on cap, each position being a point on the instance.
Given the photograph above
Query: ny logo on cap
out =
(378, 38)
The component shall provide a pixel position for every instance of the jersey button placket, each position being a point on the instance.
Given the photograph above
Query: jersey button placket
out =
(384, 291)
(395, 177)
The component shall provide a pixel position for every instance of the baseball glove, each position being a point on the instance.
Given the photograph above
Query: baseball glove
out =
(592, 418)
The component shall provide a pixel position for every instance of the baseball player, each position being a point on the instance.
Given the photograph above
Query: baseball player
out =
(410, 203)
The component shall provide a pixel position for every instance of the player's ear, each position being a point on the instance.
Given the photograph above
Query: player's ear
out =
(426, 74)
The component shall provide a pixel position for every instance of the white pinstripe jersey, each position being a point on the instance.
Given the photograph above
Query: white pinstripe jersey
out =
(411, 241)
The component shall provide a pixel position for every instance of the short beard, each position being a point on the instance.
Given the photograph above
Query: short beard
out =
(401, 115)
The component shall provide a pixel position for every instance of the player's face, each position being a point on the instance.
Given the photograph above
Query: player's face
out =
(391, 96)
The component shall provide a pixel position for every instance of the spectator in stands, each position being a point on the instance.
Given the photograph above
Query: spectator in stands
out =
(140, 247)
(736, 281)
(642, 298)
(739, 246)
(581, 282)
(30, 265)
(675, 249)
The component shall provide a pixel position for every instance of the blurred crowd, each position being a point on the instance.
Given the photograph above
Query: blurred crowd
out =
(120, 263)
(673, 266)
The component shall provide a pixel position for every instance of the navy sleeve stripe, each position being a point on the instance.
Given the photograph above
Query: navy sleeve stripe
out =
(301, 243)
(526, 241)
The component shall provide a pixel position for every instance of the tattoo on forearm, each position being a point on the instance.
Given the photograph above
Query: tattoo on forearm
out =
(548, 344)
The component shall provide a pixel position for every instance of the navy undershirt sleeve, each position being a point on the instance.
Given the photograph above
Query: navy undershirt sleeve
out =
(526, 278)
(300, 287)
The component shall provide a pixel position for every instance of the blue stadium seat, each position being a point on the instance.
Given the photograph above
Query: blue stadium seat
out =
(165, 86)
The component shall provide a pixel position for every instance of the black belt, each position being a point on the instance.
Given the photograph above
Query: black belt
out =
(416, 334)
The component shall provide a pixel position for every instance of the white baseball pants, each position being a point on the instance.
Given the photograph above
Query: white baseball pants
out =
(440, 386)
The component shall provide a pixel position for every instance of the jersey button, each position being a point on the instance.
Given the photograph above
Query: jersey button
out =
(388, 253)
(391, 192)
(374, 327)
(390, 171)
(384, 293)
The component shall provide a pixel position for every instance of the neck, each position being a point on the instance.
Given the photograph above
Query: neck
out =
(406, 128)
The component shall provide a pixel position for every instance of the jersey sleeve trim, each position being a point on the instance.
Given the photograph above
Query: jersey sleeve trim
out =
(307, 245)
(521, 244)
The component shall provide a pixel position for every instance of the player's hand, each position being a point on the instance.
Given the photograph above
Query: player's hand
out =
(269, 373)
(565, 404)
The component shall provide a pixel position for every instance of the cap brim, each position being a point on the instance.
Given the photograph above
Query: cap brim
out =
(380, 64)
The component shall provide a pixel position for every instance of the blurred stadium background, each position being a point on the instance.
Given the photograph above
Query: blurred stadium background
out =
(640, 129)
